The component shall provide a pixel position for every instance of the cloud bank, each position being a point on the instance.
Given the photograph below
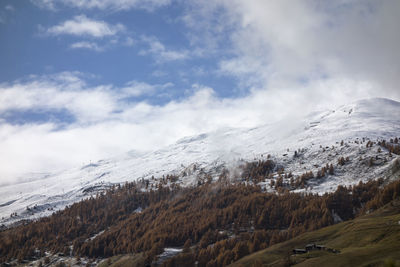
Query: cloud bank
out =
(105, 120)
(286, 43)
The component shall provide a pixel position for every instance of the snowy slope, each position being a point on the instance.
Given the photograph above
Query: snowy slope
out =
(314, 135)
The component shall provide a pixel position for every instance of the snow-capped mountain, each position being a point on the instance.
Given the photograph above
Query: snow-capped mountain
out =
(316, 139)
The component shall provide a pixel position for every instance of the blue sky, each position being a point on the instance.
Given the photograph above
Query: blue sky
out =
(84, 80)
(149, 46)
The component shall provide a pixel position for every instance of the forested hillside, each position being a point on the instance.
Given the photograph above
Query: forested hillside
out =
(215, 223)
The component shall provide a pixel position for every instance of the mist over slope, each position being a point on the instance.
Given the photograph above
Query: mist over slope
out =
(316, 139)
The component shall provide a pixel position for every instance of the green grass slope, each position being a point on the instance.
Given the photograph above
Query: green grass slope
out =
(136, 260)
(370, 240)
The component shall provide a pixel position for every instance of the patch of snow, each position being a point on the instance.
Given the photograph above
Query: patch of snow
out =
(168, 253)
(138, 210)
(94, 236)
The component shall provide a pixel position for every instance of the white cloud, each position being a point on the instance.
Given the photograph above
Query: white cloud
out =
(87, 45)
(136, 89)
(115, 5)
(68, 91)
(9, 8)
(107, 35)
(285, 43)
(63, 91)
(83, 26)
(160, 53)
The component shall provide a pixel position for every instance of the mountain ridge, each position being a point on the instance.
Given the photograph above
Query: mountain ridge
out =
(376, 118)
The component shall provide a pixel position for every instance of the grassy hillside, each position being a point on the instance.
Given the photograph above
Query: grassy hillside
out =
(370, 240)
(124, 261)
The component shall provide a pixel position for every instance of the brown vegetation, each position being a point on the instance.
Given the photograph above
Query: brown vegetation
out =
(237, 219)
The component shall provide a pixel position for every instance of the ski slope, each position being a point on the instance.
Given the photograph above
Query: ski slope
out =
(317, 135)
